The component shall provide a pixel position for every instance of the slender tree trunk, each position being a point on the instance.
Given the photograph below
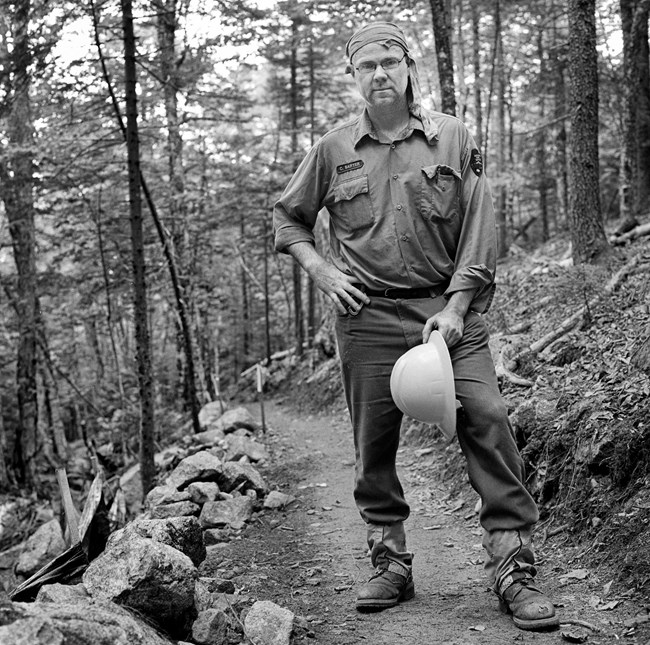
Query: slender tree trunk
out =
(540, 148)
(163, 236)
(476, 64)
(16, 189)
(4, 472)
(500, 192)
(143, 344)
(560, 106)
(442, 32)
(587, 232)
(297, 271)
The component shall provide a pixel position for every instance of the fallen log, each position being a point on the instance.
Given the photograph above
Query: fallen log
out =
(635, 233)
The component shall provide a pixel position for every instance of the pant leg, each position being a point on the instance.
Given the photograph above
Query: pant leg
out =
(369, 344)
(486, 437)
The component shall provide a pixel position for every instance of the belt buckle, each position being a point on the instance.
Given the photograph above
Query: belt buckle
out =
(387, 292)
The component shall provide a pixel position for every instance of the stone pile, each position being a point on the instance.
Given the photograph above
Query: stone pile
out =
(150, 568)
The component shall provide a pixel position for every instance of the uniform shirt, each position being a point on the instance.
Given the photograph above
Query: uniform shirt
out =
(416, 212)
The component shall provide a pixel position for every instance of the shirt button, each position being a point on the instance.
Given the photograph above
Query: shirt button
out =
(405, 237)
(392, 146)
(395, 176)
(399, 207)
(443, 187)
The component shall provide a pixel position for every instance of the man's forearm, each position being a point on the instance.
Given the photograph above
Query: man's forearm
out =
(460, 301)
(307, 257)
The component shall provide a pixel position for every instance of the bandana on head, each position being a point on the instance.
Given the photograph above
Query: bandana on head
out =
(387, 34)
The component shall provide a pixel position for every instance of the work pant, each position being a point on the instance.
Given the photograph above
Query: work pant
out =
(369, 345)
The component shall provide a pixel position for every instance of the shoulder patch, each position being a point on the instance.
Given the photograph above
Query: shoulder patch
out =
(476, 162)
(348, 167)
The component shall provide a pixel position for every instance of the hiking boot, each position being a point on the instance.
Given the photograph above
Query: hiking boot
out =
(387, 587)
(530, 608)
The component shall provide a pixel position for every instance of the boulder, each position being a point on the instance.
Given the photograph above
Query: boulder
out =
(85, 623)
(181, 533)
(41, 547)
(149, 577)
(165, 495)
(275, 500)
(237, 447)
(62, 593)
(211, 418)
(202, 492)
(216, 536)
(268, 624)
(210, 627)
(233, 512)
(208, 437)
(235, 474)
(175, 509)
(202, 466)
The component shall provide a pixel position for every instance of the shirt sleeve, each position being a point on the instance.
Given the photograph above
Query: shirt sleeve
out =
(475, 262)
(295, 213)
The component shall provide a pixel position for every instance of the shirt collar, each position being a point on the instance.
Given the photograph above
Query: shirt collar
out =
(426, 125)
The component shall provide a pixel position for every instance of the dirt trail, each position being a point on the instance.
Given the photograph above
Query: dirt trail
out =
(311, 556)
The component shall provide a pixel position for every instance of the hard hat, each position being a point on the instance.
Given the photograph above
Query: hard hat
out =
(422, 384)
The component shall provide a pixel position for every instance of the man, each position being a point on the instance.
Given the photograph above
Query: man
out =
(413, 248)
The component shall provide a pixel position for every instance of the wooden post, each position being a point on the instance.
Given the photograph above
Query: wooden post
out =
(261, 396)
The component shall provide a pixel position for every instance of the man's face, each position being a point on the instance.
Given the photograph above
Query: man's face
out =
(381, 87)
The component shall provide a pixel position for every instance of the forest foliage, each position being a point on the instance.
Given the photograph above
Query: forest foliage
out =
(229, 98)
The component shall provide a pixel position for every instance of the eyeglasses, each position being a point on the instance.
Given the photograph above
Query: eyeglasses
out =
(368, 67)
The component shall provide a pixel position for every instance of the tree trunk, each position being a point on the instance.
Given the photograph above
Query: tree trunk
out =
(560, 106)
(540, 148)
(476, 64)
(634, 179)
(297, 271)
(587, 231)
(500, 193)
(143, 344)
(442, 33)
(16, 189)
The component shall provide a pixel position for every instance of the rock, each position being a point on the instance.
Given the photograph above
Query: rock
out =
(176, 509)
(14, 514)
(235, 474)
(131, 486)
(268, 624)
(208, 438)
(85, 623)
(181, 533)
(275, 499)
(215, 536)
(219, 585)
(151, 578)
(165, 495)
(211, 418)
(62, 593)
(202, 466)
(41, 547)
(210, 627)
(202, 492)
(238, 447)
(232, 512)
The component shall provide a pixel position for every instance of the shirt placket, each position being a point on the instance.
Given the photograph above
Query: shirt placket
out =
(401, 211)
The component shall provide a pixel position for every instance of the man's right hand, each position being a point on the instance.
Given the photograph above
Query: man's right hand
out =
(335, 284)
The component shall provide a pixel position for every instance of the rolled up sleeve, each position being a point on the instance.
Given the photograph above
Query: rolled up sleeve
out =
(295, 213)
(475, 262)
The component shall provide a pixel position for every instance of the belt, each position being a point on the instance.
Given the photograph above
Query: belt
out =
(399, 293)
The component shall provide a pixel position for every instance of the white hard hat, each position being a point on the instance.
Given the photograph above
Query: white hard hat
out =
(422, 384)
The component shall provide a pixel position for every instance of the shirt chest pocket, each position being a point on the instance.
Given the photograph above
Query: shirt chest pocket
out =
(439, 191)
(351, 205)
